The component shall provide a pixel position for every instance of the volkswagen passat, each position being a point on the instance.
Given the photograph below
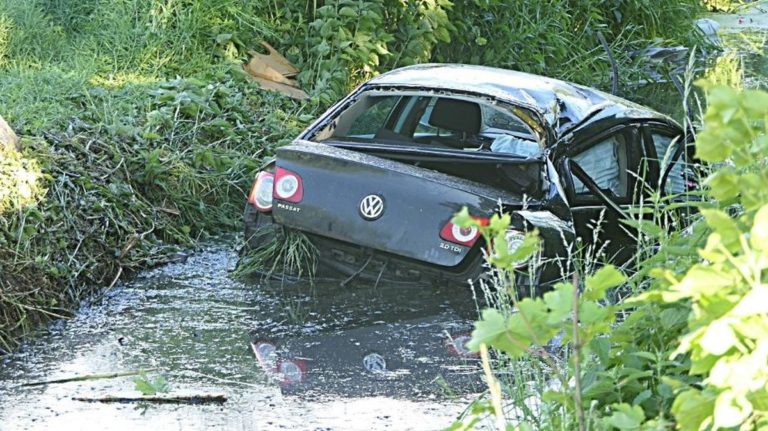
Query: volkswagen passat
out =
(375, 181)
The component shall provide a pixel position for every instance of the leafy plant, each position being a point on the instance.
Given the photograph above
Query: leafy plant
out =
(579, 318)
(724, 292)
(690, 351)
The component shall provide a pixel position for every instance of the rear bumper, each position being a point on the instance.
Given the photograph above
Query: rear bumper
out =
(374, 265)
(342, 259)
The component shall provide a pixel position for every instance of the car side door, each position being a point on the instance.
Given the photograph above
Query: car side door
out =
(668, 153)
(605, 175)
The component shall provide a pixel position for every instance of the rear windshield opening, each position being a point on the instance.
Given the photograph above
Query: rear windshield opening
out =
(433, 121)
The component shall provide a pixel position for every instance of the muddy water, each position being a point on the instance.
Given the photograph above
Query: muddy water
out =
(196, 325)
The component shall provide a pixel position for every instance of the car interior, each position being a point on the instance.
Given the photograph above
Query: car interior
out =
(606, 164)
(429, 121)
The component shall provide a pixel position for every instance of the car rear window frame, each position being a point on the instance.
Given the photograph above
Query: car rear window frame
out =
(532, 122)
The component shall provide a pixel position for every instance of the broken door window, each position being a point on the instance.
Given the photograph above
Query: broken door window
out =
(666, 146)
(606, 164)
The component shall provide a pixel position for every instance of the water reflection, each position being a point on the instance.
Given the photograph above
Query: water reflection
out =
(194, 323)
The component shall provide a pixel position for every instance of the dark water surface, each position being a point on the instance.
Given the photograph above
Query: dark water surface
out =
(196, 325)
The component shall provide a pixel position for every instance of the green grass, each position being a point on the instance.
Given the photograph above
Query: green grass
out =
(291, 253)
(141, 134)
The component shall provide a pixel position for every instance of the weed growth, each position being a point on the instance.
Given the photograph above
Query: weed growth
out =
(688, 351)
(290, 254)
(121, 165)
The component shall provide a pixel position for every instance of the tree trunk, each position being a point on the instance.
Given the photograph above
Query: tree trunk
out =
(8, 139)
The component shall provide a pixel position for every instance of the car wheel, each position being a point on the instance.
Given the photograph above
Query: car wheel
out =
(260, 229)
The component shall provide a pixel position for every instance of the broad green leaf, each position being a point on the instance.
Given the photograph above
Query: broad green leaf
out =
(724, 225)
(710, 148)
(531, 321)
(754, 192)
(500, 223)
(143, 385)
(700, 281)
(711, 250)
(160, 384)
(758, 238)
(529, 246)
(601, 346)
(672, 317)
(641, 397)
(731, 410)
(626, 417)
(508, 334)
(150, 387)
(691, 408)
(755, 103)
(462, 218)
(724, 184)
(718, 338)
(560, 303)
(598, 283)
(647, 227)
(755, 302)
(488, 329)
(646, 355)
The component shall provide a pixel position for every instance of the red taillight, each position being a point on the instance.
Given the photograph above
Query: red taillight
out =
(460, 235)
(261, 193)
(288, 186)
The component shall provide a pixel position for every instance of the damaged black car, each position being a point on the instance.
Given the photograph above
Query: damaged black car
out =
(376, 180)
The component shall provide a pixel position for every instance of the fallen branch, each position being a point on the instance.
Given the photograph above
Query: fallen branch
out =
(88, 377)
(160, 399)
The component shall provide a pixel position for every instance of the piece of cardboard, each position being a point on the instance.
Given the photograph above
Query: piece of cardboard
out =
(273, 72)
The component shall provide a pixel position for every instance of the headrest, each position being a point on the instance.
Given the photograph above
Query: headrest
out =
(456, 115)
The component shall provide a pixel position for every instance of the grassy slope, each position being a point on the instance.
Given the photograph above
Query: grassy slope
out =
(123, 159)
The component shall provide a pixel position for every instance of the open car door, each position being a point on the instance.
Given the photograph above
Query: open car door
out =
(605, 176)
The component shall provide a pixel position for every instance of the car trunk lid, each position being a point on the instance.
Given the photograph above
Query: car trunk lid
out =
(416, 203)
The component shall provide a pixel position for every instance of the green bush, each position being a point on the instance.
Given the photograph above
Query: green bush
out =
(690, 351)
(723, 5)
(725, 292)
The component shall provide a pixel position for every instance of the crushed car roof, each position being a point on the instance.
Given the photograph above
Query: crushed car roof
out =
(562, 104)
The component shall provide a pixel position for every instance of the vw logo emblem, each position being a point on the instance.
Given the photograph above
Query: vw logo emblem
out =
(372, 207)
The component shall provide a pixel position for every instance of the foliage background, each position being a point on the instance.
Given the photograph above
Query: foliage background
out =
(141, 132)
(141, 135)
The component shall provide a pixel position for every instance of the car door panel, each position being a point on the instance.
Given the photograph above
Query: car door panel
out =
(602, 193)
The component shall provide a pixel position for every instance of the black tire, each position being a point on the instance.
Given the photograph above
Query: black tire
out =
(260, 229)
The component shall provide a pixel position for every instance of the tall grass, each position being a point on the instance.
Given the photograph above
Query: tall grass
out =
(140, 136)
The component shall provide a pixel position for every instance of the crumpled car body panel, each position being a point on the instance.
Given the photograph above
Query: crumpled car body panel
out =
(417, 144)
